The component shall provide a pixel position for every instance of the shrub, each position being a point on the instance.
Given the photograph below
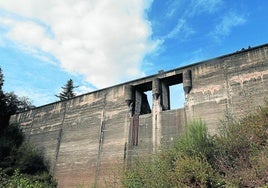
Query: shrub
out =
(242, 149)
(237, 157)
(10, 138)
(194, 172)
(21, 180)
(195, 140)
(30, 160)
(21, 164)
(146, 172)
(184, 164)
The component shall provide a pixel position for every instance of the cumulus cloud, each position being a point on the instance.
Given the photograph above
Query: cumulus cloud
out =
(104, 40)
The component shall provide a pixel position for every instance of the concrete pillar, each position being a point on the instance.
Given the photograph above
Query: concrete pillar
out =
(156, 88)
(156, 117)
(187, 86)
(138, 102)
(165, 96)
(128, 92)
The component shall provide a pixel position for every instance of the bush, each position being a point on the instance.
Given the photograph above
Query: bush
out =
(194, 172)
(185, 164)
(10, 139)
(21, 180)
(30, 160)
(242, 149)
(21, 164)
(195, 141)
(146, 172)
(237, 157)
(193, 157)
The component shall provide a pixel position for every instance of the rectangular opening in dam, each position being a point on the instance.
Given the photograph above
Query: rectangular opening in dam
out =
(150, 98)
(173, 94)
(143, 99)
(177, 98)
(170, 90)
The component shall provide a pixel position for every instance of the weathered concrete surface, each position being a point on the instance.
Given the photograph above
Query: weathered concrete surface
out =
(83, 137)
(230, 84)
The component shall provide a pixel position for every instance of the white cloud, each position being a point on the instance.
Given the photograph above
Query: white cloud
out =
(105, 40)
(173, 7)
(181, 30)
(227, 23)
(200, 6)
(191, 8)
(37, 97)
(82, 90)
(186, 10)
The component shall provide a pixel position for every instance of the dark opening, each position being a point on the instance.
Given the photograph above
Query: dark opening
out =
(142, 95)
(175, 96)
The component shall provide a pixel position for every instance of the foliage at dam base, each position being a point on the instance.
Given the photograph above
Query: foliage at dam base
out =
(236, 157)
(21, 164)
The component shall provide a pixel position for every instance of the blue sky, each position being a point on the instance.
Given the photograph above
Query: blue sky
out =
(99, 43)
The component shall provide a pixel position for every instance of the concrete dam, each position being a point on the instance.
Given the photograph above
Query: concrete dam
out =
(85, 136)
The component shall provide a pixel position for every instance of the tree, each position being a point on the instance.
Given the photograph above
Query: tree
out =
(4, 118)
(21, 165)
(1, 80)
(17, 104)
(67, 91)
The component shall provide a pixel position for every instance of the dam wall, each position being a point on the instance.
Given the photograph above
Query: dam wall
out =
(84, 137)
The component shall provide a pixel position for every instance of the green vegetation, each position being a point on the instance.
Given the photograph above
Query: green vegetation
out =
(21, 164)
(17, 179)
(236, 157)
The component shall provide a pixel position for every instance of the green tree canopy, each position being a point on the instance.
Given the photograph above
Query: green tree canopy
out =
(67, 91)
(21, 164)
(2, 96)
(1, 80)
